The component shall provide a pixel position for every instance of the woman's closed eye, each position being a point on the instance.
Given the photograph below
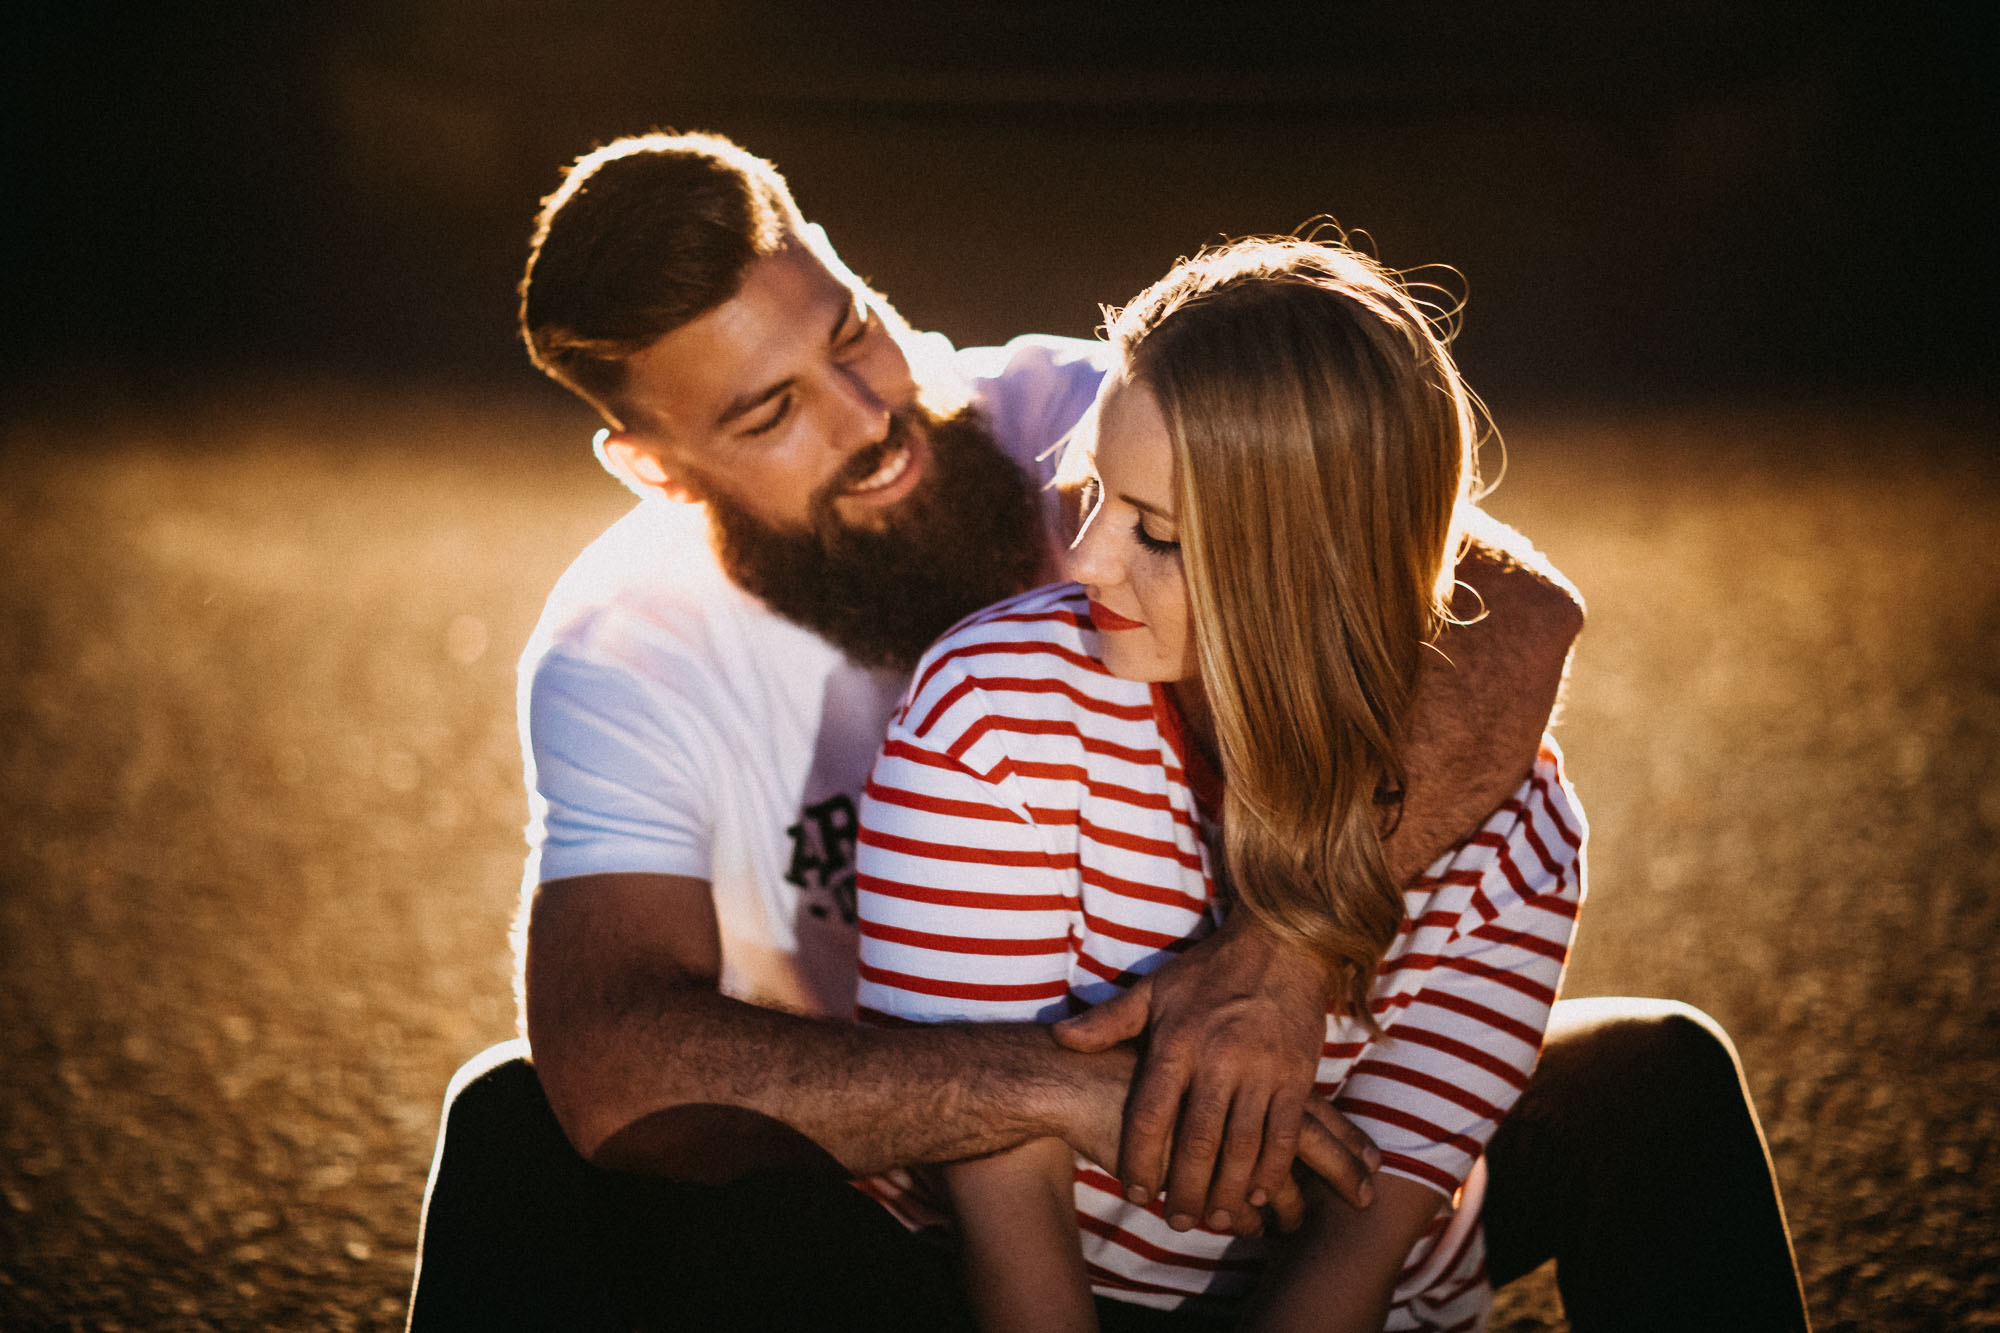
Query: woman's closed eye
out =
(1157, 545)
(1090, 495)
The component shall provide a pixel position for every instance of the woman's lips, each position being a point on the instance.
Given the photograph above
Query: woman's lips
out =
(1104, 617)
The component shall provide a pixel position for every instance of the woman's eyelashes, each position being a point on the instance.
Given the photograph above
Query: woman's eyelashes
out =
(1157, 545)
(1091, 497)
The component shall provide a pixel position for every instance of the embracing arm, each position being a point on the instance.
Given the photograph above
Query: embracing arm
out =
(1484, 694)
(649, 1068)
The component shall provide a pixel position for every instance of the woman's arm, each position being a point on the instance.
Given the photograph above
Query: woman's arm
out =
(1022, 1252)
(966, 914)
(1338, 1273)
(1470, 991)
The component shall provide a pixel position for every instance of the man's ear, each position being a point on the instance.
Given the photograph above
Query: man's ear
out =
(639, 466)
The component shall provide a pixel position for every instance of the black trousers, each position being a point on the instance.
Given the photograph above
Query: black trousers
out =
(1633, 1159)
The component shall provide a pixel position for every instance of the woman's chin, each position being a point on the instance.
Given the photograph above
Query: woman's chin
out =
(1127, 664)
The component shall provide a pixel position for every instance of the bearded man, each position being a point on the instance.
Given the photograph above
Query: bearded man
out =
(823, 493)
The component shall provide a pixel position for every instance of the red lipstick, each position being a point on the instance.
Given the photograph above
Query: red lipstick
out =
(1105, 618)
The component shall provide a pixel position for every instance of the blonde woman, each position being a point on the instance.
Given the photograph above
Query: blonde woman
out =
(1085, 778)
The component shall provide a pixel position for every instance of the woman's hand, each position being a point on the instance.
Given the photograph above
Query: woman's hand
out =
(1234, 1030)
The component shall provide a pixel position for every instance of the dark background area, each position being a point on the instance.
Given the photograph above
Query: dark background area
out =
(1646, 200)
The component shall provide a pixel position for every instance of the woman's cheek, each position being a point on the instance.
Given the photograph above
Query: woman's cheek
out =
(1172, 617)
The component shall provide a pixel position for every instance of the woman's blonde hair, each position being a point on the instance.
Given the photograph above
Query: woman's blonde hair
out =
(1323, 444)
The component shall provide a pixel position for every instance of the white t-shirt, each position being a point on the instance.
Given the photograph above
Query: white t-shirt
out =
(671, 724)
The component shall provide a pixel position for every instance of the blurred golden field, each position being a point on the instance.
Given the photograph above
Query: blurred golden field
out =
(262, 820)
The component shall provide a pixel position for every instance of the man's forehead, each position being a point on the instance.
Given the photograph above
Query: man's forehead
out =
(687, 379)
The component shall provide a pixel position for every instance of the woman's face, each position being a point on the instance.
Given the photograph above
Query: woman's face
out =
(1128, 556)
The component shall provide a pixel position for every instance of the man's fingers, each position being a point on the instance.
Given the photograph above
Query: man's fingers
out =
(1228, 1194)
(1149, 1127)
(1204, 1121)
(1282, 1122)
(1333, 1161)
(1121, 1018)
(1345, 1131)
(1287, 1205)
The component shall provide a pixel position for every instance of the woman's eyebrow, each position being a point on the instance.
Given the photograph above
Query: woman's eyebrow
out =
(1165, 515)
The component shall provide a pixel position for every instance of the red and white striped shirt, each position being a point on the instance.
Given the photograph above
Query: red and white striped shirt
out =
(1030, 845)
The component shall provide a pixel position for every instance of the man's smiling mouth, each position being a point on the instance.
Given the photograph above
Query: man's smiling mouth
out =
(894, 464)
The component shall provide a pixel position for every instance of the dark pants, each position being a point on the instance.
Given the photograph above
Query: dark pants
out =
(1633, 1159)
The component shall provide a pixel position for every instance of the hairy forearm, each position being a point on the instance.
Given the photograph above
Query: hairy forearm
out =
(693, 1061)
(1485, 693)
(649, 1068)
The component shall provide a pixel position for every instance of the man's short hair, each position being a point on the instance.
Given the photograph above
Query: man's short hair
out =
(643, 235)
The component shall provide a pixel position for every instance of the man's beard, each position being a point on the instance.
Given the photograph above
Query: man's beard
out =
(967, 535)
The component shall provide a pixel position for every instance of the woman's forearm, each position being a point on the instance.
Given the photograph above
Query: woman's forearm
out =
(1338, 1273)
(1022, 1251)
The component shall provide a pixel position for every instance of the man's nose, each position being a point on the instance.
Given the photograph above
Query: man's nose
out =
(863, 414)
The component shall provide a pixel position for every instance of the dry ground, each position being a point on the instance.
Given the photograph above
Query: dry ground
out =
(261, 822)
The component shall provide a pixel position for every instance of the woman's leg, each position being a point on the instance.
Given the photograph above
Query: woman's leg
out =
(1634, 1159)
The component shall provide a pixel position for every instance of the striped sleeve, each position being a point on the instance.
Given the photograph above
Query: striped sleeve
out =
(966, 904)
(1464, 997)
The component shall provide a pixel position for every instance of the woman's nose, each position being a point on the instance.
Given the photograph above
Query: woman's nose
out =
(1089, 559)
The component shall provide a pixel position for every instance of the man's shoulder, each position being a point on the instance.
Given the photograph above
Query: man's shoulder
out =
(650, 559)
(1036, 354)
(649, 599)
(1035, 388)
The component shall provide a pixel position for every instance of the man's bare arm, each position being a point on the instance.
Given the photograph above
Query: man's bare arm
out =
(1484, 694)
(649, 1068)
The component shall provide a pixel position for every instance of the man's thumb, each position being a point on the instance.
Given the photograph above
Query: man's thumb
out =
(1120, 1018)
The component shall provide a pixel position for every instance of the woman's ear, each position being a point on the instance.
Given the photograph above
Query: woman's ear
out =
(639, 466)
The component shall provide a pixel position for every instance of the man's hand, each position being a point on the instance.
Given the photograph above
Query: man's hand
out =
(1234, 1032)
